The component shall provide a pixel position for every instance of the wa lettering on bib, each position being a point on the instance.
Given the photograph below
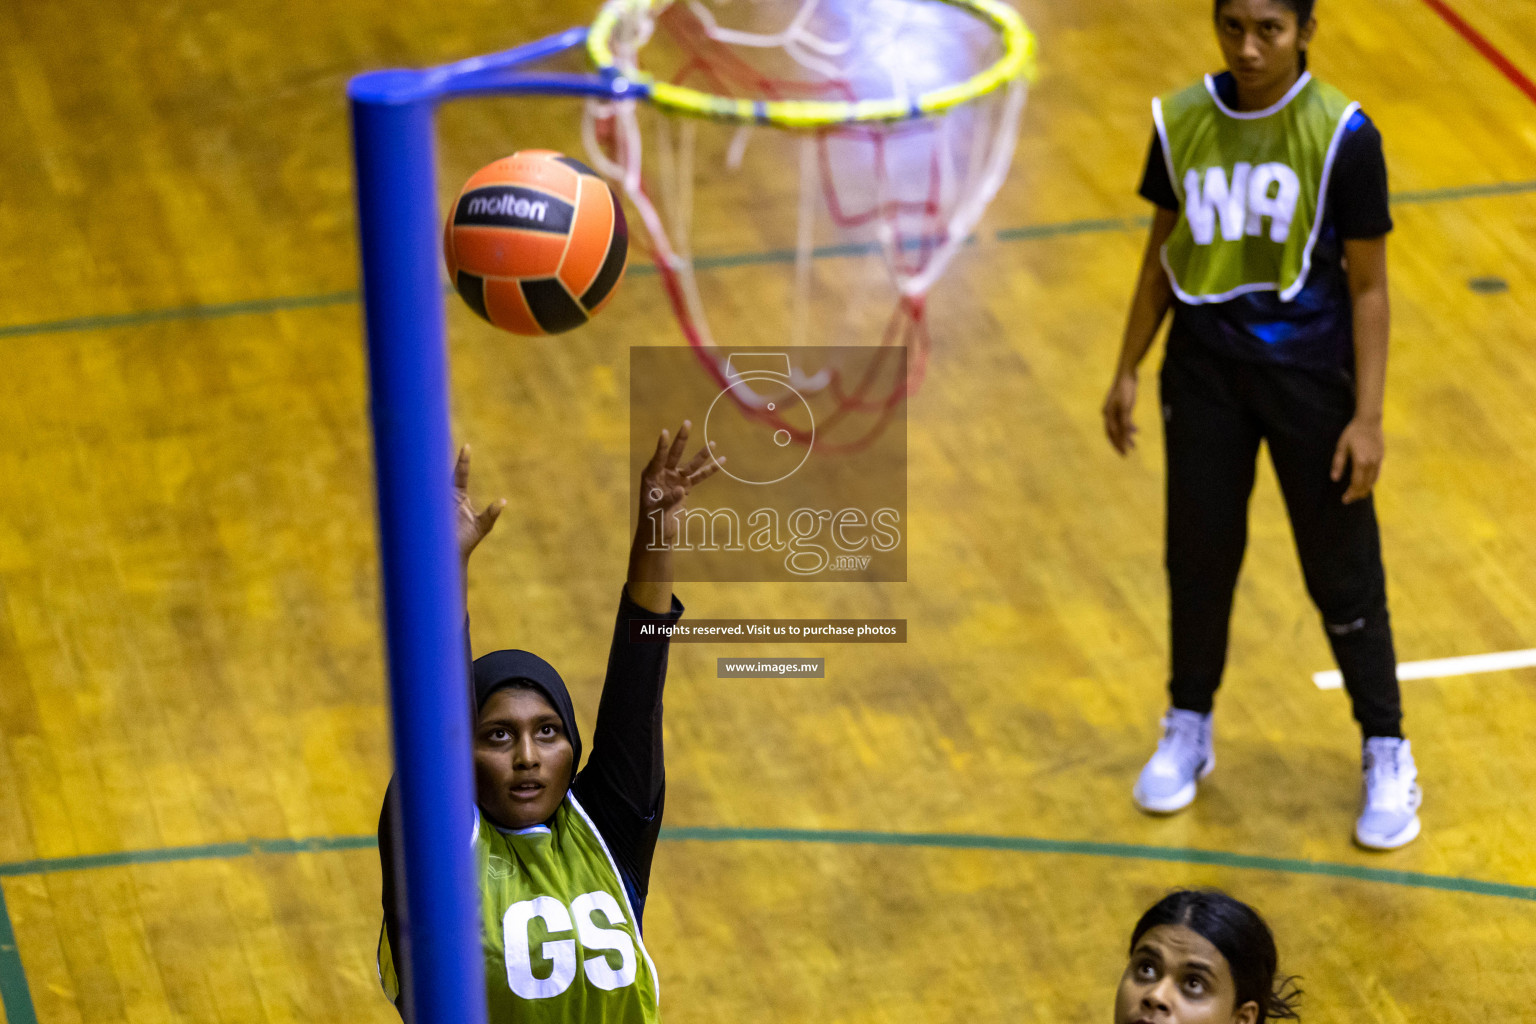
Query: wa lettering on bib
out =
(561, 942)
(1251, 185)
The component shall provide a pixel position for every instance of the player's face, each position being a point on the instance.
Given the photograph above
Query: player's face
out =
(1177, 977)
(1262, 44)
(522, 758)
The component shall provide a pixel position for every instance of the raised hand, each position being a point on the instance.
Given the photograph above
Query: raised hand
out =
(469, 526)
(665, 485)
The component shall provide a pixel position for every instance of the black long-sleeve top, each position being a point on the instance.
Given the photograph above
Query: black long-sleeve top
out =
(623, 785)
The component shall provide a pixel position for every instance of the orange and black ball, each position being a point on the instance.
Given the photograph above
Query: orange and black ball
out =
(536, 242)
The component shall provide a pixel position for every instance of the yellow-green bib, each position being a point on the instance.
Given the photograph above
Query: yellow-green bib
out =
(1251, 186)
(561, 942)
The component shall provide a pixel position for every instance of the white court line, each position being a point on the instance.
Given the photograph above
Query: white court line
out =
(1333, 680)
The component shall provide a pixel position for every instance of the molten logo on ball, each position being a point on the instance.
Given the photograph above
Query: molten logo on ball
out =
(536, 243)
(507, 205)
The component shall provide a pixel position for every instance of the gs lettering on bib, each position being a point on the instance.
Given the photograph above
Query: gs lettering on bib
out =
(605, 942)
(1251, 185)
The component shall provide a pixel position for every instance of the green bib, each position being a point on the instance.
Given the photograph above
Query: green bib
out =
(561, 942)
(1251, 185)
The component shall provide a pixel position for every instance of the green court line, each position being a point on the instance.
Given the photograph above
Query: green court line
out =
(723, 261)
(1072, 227)
(1442, 195)
(726, 261)
(840, 837)
(155, 316)
(1122, 851)
(15, 996)
(213, 851)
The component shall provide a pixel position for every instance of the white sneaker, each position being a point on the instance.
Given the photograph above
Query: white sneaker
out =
(1184, 757)
(1389, 815)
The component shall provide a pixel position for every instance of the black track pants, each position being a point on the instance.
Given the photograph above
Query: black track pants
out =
(1216, 410)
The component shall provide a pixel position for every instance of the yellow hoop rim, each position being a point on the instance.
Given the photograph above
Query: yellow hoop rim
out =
(1018, 59)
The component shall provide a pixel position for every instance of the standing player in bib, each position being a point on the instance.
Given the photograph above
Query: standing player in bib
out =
(563, 857)
(1269, 245)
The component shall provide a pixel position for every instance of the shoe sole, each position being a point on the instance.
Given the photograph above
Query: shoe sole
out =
(1179, 800)
(1406, 835)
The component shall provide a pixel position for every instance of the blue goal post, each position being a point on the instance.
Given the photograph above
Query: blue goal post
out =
(393, 119)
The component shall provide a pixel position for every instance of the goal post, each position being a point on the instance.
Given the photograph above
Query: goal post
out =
(393, 131)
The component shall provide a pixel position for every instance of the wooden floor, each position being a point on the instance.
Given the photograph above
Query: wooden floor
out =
(190, 657)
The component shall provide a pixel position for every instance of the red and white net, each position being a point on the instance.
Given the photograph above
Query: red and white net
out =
(860, 219)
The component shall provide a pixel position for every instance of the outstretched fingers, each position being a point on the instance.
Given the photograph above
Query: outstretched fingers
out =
(461, 469)
(663, 443)
(679, 444)
(700, 458)
(705, 472)
(677, 480)
(487, 519)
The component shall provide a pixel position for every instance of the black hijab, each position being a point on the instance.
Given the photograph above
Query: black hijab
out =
(500, 669)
